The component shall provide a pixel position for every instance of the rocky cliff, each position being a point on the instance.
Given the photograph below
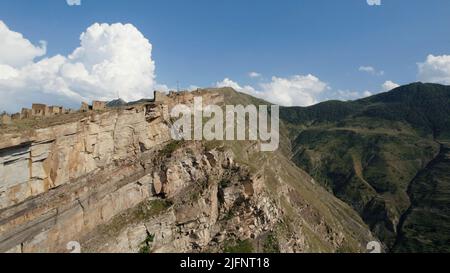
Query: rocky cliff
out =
(116, 182)
(62, 181)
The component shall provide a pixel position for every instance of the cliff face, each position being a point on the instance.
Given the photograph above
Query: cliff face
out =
(65, 180)
(212, 200)
(116, 182)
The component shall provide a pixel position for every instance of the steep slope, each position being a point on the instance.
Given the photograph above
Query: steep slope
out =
(369, 151)
(425, 227)
(116, 182)
(302, 200)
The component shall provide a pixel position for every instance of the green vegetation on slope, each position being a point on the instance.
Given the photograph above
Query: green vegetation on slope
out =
(238, 246)
(426, 225)
(367, 152)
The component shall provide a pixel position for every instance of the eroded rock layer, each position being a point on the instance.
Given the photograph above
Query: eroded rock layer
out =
(116, 182)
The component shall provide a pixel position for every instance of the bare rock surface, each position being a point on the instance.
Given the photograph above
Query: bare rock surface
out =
(116, 182)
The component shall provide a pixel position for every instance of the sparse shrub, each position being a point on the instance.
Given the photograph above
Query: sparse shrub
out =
(170, 148)
(213, 144)
(238, 246)
(225, 183)
(151, 208)
(146, 246)
(271, 244)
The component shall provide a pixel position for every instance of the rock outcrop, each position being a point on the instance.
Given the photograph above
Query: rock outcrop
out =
(116, 182)
(211, 201)
(62, 181)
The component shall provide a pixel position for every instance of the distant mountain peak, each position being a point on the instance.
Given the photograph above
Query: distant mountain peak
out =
(116, 103)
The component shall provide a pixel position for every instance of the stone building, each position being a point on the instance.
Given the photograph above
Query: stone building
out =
(98, 105)
(26, 113)
(55, 110)
(39, 110)
(85, 107)
(16, 116)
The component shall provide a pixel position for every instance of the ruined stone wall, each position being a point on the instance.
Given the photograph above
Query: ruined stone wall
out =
(26, 113)
(98, 105)
(55, 110)
(40, 110)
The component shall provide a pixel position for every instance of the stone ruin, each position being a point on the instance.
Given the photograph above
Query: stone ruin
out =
(96, 106)
(37, 110)
(168, 100)
(42, 110)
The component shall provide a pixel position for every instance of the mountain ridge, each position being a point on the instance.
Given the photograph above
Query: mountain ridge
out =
(369, 151)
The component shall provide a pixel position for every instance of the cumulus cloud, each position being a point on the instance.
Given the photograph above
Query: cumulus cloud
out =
(298, 90)
(374, 2)
(244, 89)
(389, 85)
(254, 75)
(111, 61)
(345, 95)
(435, 69)
(229, 83)
(353, 95)
(371, 70)
(15, 50)
(193, 87)
(348, 95)
(73, 2)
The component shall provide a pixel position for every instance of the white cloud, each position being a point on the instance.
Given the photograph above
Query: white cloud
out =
(371, 70)
(7, 72)
(112, 60)
(15, 50)
(229, 83)
(246, 89)
(374, 2)
(389, 85)
(298, 90)
(193, 87)
(435, 69)
(345, 95)
(353, 95)
(254, 75)
(73, 2)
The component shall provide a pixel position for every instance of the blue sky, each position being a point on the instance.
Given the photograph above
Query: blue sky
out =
(201, 42)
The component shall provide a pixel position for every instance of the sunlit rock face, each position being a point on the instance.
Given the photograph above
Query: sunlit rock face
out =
(64, 180)
(115, 181)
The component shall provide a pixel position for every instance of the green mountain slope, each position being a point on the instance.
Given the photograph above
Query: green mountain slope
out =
(368, 152)
(425, 227)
